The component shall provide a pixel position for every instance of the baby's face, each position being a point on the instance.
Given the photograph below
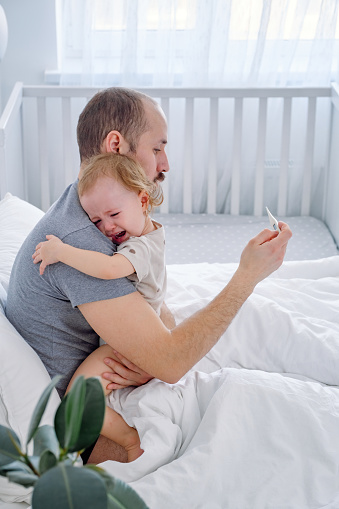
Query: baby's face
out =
(117, 212)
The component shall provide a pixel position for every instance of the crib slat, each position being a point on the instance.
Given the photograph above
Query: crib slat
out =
(43, 153)
(3, 174)
(67, 137)
(165, 205)
(8, 122)
(284, 157)
(236, 158)
(212, 163)
(188, 161)
(308, 159)
(260, 163)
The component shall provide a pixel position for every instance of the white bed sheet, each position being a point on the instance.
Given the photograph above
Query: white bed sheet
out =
(246, 438)
(237, 438)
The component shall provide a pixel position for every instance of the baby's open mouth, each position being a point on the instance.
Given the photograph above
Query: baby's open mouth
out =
(118, 236)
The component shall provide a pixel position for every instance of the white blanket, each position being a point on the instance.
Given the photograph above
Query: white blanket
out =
(246, 438)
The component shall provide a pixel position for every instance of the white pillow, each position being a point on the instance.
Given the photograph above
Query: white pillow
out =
(17, 218)
(23, 377)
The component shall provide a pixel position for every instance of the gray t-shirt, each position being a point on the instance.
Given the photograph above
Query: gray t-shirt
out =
(44, 308)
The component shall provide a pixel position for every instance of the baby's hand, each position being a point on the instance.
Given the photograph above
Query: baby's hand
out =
(47, 252)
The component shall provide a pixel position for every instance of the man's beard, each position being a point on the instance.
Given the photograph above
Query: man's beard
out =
(160, 177)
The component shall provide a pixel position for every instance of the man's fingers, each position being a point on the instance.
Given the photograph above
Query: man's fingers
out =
(264, 236)
(121, 370)
(127, 363)
(114, 387)
(115, 378)
(267, 235)
(126, 376)
(285, 230)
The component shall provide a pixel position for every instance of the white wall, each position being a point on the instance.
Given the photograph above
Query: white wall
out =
(32, 45)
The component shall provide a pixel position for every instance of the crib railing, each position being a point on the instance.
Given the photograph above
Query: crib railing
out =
(231, 150)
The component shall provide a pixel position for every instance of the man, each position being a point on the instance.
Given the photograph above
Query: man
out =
(62, 313)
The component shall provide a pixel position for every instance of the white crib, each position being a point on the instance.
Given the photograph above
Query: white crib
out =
(231, 151)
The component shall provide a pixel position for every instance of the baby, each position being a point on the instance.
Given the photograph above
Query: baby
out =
(117, 197)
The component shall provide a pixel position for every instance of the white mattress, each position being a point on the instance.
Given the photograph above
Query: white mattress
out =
(195, 238)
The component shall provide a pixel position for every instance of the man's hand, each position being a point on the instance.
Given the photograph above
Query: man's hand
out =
(264, 253)
(123, 373)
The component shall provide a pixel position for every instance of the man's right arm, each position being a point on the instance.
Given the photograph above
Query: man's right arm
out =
(132, 328)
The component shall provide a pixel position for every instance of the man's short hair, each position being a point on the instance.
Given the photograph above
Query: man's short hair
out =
(112, 109)
(124, 170)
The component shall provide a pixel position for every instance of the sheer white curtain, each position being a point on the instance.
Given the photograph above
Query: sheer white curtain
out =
(210, 43)
(199, 42)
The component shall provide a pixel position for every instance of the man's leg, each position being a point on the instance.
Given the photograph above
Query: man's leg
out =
(105, 449)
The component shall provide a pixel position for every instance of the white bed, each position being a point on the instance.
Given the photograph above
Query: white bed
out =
(261, 433)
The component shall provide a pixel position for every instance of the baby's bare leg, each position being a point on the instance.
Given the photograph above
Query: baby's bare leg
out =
(114, 427)
(94, 365)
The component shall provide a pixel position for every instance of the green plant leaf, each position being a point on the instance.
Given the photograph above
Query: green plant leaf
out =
(70, 488)
(15, 466)
(23, 478)
(120, 495)
(92, 417)
(60, 422)
(69, 414)
(9, 446)
(40, 408)
(45, 438)
(47, 461)
(75, 404)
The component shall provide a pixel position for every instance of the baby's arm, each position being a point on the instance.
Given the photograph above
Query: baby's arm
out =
(114, 426)
(90, 262)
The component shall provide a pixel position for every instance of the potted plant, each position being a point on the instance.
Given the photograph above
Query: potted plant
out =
(55, 469)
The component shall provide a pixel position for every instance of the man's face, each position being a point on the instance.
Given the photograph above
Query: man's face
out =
(150, 152)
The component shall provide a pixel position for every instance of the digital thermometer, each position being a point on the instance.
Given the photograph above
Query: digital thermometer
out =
(273, 221)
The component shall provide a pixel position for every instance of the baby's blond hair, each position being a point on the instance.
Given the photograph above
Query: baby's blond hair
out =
(125, 170)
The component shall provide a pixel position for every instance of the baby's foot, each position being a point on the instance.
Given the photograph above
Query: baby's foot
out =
(134, 453)
(133, 446)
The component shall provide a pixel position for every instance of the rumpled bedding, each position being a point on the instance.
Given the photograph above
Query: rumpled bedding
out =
(255, 424)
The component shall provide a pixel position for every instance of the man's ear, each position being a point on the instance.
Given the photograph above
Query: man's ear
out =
(144, 199)
(115, 142)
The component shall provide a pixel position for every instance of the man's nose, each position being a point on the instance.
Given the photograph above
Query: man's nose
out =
(163, 164)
